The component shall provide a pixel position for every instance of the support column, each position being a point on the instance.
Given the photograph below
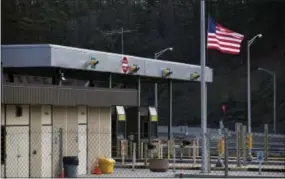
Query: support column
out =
(170, 112)
(266, 142)
(93, 128)
(244, 154)
(71, 131)
(58, 140)
(105, 132)
(238, 144)
(35, 141)
(155, 105)
(139, 115)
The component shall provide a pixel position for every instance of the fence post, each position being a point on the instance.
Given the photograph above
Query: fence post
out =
(244, 158)
(159, 149)
(60, 135)
(226, 153)
(123, 150)
(238, 143)
(266, 142)
(131, 148)
(127, 149)
(181, 150)
(173, 155)
(209, 152)
(198, 148)
(141, 151)
(168, 149)
(134, 156)
(194, 151)
(145, 154)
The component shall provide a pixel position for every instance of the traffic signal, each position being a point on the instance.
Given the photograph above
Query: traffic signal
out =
(134, 68)
(93, 62)
(166, 72)
(194, 76)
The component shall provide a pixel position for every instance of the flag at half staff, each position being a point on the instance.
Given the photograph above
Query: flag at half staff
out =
(223, 39)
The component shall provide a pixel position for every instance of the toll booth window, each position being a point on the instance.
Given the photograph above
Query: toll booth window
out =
(153, 129)
(145, 131)
(19, 111)
(3, 144)
(122, 129)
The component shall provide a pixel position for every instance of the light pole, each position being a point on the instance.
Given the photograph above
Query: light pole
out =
(156, 55)
(119, 31)
(205, 167)
(273, 74)
(249, 43)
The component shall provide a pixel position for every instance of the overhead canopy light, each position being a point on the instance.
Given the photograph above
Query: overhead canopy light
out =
(121, 113)
(153, 114)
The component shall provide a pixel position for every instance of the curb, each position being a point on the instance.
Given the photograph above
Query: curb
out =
(181, 175)
(213, 161)
(214, 169)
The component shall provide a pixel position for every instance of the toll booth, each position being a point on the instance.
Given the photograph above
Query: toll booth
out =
(144, 123)
(153, 120)
(119, 128)
(148, 122)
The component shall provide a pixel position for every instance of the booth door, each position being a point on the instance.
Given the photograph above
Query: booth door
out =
(17, 161)
(46, 151)
(82, 147)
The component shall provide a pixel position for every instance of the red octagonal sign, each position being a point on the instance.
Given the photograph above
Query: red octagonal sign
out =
(125, 65)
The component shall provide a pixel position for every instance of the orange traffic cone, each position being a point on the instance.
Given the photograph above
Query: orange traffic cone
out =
(96, 170)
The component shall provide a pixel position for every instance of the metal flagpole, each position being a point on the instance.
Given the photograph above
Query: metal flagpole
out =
(205, 158)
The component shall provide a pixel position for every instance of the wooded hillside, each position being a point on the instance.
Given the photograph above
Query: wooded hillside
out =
(158, 24)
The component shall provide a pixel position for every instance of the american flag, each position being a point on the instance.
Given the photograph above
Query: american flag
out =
(223, 39)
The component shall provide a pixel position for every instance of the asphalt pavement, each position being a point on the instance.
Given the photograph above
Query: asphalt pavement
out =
(145, 173)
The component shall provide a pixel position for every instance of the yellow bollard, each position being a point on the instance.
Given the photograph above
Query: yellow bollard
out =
(142, 148)
(194, 152)
(249, 141)
(161, 150)
(198, 148)
(158, 147)
(222, 146)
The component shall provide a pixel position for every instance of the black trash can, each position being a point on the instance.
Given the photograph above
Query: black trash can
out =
(70, 164)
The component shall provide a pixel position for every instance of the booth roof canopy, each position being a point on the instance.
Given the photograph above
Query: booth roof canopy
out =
(47, 55)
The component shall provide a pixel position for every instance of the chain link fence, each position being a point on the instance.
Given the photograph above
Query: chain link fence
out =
(31, 153)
